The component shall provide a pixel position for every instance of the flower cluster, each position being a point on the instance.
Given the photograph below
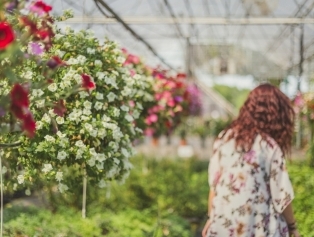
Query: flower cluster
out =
(94, 133)
(26, 31)
(304, 104)
(170, 108)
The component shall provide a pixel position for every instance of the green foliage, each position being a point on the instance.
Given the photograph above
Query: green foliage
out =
(218, 125)
(161, 198)
(234, 95)
(303, 183)
(22, 221)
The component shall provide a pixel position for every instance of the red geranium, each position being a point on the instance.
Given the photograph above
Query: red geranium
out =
(87, 82)
(6, 35)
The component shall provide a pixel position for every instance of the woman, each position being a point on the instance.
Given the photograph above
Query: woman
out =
(250, 190)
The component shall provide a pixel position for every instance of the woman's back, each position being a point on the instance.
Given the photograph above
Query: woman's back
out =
(252, 189)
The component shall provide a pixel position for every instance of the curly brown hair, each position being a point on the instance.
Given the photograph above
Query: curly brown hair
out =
(267, 112)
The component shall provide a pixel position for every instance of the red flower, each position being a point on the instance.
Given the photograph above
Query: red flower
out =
(19, 96)
(55, 61)
(6, 35)
(87, 82)
(40, 8)
(29, 125)
(59, 108)
(40, 4)
(18, 111)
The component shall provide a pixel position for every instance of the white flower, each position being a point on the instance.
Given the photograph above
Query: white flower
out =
(116, 112)
(39, 125)
(100, 166)
(99, 96)
(114, 146)
(90, 51)
(87, 111)
(37, 92)
(59, 176)
(98, 63)
(60, 120)
(61, 135)
(83, 94)
(52, 87)
(124, 108)
(79, 154)
(87, 105)
(98, 105)
(47, 168)
(49, 138)
(102, 133)
(72, 61)
(84, 118)
(80, 144)
(67, 44)
(88, 127)
(51, 113)
(81, 59)
(139, 105)
(136, 114)
(58, 36)
(91, 162)
(20, 179)
(62, 187)
(28, 192)
(129, 118)
(28, 75)
(40, 103)
(93, 133)
(102, 184)
(111, 97)
(111, 81)
(121, 59)
(101, 157)
(61, 155)
(100, 75)
(125, 153)
(126, 91)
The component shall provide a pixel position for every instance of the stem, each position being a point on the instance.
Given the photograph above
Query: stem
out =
(84, 194)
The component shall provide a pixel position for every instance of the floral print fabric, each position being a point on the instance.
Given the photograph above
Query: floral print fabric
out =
(251, 190)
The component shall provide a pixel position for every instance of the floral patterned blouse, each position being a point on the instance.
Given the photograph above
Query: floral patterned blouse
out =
(251, 190)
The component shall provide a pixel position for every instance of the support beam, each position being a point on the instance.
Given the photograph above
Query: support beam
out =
(145, 20)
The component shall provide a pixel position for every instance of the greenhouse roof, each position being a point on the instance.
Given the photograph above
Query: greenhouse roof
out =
(267, 35)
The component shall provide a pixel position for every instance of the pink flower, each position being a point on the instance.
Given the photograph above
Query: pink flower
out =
(299, 101)
(40, 8)
(132, 72)
(36, 48)
(149, 131)
(171, 102)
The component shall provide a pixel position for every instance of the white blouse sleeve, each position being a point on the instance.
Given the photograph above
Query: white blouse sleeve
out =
(214, 170)
(280, 185)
